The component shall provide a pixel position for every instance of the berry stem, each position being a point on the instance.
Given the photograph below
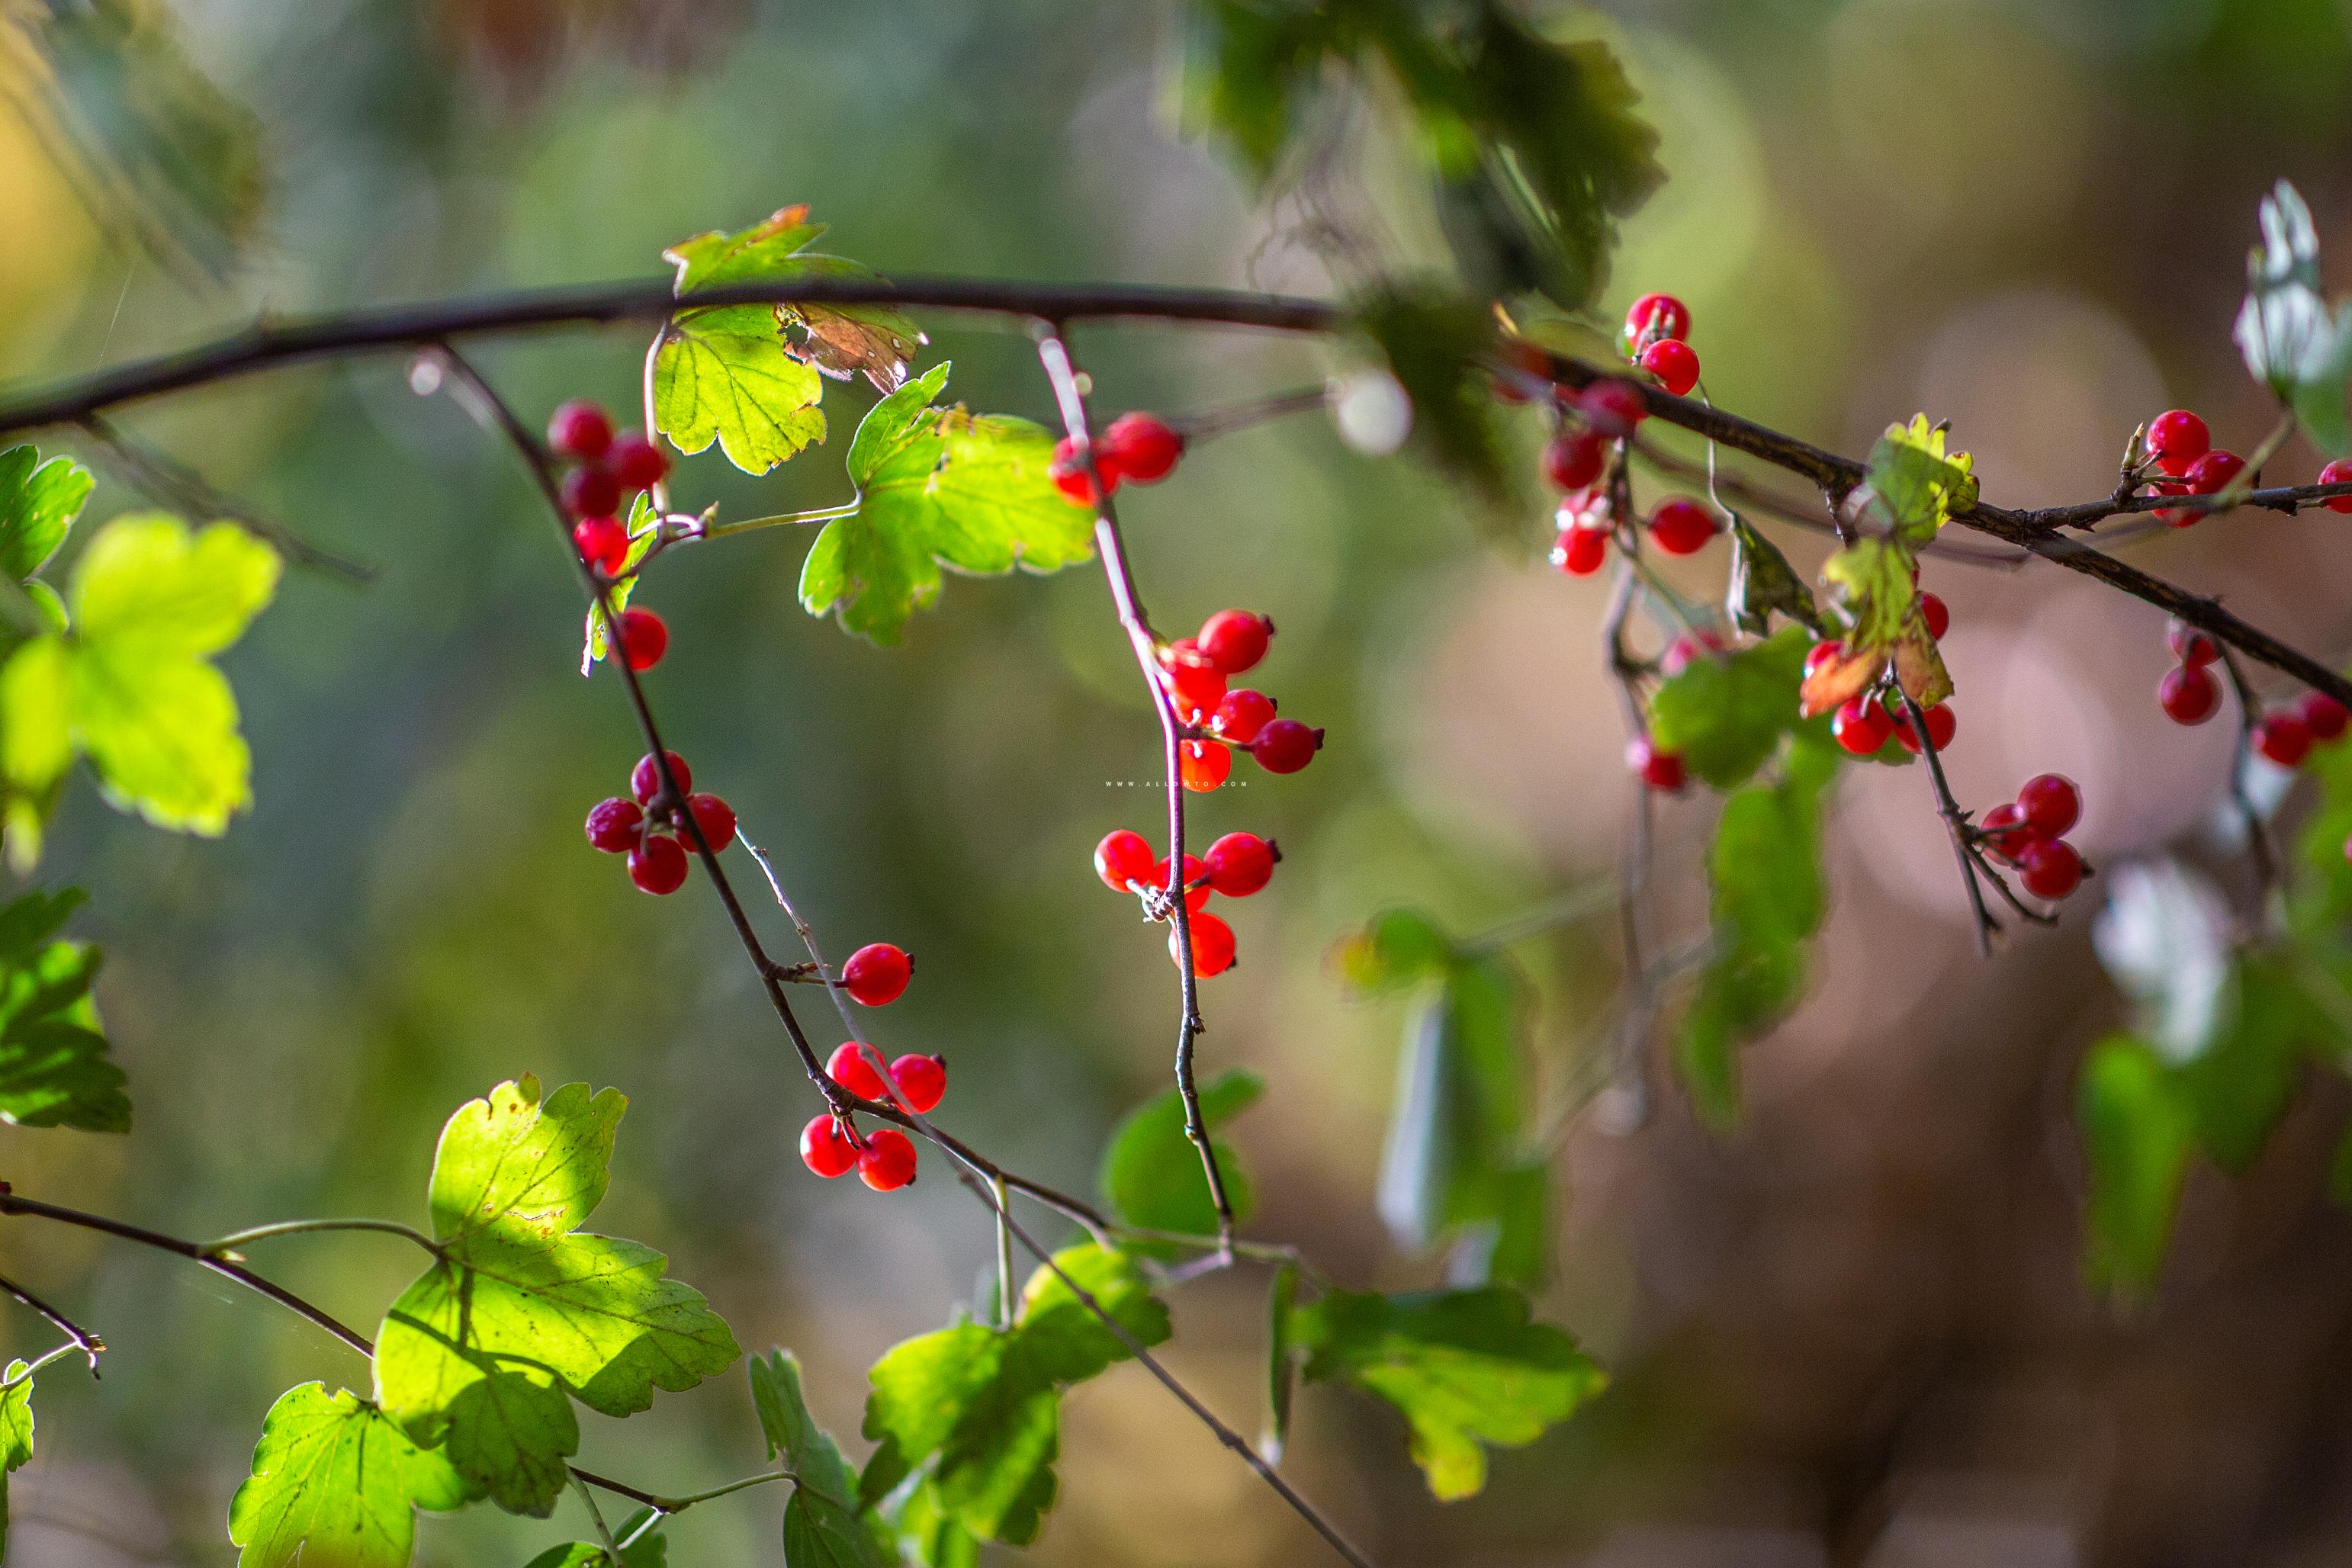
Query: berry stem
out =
(2267, 889)
(715, 530)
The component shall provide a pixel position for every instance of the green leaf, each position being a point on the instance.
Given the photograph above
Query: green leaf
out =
(1249, 68)
(54, 1069)
(724, 376)
(650, 1550)
(131, 685)
(1436, 345)
(480, 1353)
(1466, 1368)
(2292, 343)
(39, 503)
(808, 1449)
(335, 1484)
(1399, 948)
(822, 1533)
(1763, 583)
(927, 1532)
(1883, 600)
(645, 528)
(1725, 713)
(2238, 1087)
(2137, 1136)
(16, 1432)
(1912, 486)
(1151, 1172)
(937, 488)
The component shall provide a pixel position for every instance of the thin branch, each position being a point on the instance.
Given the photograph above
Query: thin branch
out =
(680, 1504)
(1956, 822)
(596, 1518)
(2258, 833)
(227, 1245)
(76, 1337)
(1208, 424)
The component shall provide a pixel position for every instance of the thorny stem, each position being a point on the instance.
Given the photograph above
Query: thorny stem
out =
(76, 1337)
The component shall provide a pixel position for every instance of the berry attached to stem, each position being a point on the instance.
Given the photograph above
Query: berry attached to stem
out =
(1235, 640)
(2176, 439)
(580, 428)
(826, 1148)
(1242, 715)
(1213, 945)
(644, 779)
(603, 542)
(643, 638)
(2337, 473)
(853, 1069)
(1861, 726)
(1680, 526)
(922, 1081)
(2050, 803)
(889, 1162)
(659, 864)
(1122, 857)
(1574, 458)
(1195, 870)
(1286, 746)
(876, 973)
(2190, 695)
(2051, 868)
(615, 824)
(1673, 362)
(2283, 738)
(1142, 448)
(1239, 864)
(715, 817)
(1203, 766)
(1660, 771)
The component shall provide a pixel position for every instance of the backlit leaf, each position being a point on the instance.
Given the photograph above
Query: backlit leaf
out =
(1764, 584)
(16, 1432)
(1725, 713)
(39, 503)
(54, 1068)
(335, 1484)
(1151, 1172)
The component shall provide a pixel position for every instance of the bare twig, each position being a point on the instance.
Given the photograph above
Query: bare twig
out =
(76, 1337)
(2258, 833)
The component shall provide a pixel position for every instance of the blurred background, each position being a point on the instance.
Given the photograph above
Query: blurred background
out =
(1852, 1333)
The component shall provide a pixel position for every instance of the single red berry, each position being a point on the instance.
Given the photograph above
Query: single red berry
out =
(827, 1148)
(2189, 645)
(921, 1082)
(1124, 856)
(1242, 714)
(2323, 716)
(603, 542)
(1861, 726)
(1195, 870)
(636, 462)
(1938, 616)
(889, 1162)
(657, 865)
(580, 428)
(614, 826)
(2176, 439)
(1823, 654)
(1942, 725)
(1680, 526)
(2339, 472)
(1686, 648)
(1655, 316)
(1142, 447)
(1195, 685)
(1613, 408)
(1203, 766)
(2283, 738)
(2050, 868)
(645, 637)
(2208, 473)
(1213, 945)
(2190, 695)
(1068, 472)
(2050, 803)
(1240, 864)
(1660, 771)
(1579, 551)
(852, 1067)
(715, 817)
(2006, 830)
(1573, 459)
(590, 490)
(644, 779)
(1286, 746)
(1235, 640)
(1674, 363)
(2175, 515)
(878, 974)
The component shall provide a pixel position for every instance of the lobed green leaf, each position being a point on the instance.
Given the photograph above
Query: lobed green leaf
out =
(39, 503)
(335, 1484)
(1151, 1172)
(53, 1068)
(16, 1432)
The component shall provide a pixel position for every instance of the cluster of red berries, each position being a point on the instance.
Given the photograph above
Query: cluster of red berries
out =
(2030, 834)
(1237, 865)
(1655, 328)
(1195, 671)
(1862, 724)
(1137, 448)
(883, 1158)
(645, 827)
(1577, 460)
(2180, 447)
(607, 470)
(2191, 694)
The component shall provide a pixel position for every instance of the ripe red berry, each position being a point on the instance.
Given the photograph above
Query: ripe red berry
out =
(2336, 473)
(603, 542)
(2208, 473)
(715, 817)
(1242, 714)
(1195, 685)
(889, 1162)
(1579, 551)
(2189, 645)
(1937, 614)
(1861, 726)
(827, 1148)
(636, 462)
(1235, 640)
(645, 637)
(1613, 408)
(644, 779)
(2176, 439)
(2283, 738)
(2051, 868)
(2050, 803)
(658, 864)
(1821, 653)
(1673, 362)
(2322, 715)
(580, 428)
(1942, 725)
(852, 1067)
(1068, 472)
(1142, 447)
(1573, 459)
(1680, 526)
(590, 490)
(1286, 746)
(1660, 771)
(921, 1080)
(1213, 945)
(1124, 856)
(2006, 830)
(1195, 870)
(2176, 516)
(1203, 766)
(878, 974)
(2190, 695)
(614, 825)
(1239, 864)
(1658, 316)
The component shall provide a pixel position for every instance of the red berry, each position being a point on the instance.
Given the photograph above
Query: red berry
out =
(1658, 316)
(1680, 526)
(852, 1067)
(644, 779)
(1581, 550)
(2176, 439)
(1142, 447)
(715, 817)
(1937, 614)
(1242, 715)
(1573, 459)
(921, 1082)
(590, 490)
(1286, 746)
(1673, 362)
(580, 428)
(1195, 685)
(658, 864)
(614, 825)
(1942, 725)
(2208, 473)
(603, 542)
(1068, 472)
(2188, 645)
(1240, 864)
(1124, 856)
(2050, 868)
(1660, 771)
(2323, 716)
(1861, 726)
(1613, 408)
(2337, 473)
(2007, 831)
(876, 973)
(1821, 653)
(2050, 803)
(827, 1148)
(1235, 640)
(636, 462)
(645, 637)
(1213, 945)
(2283, 738)
(1195, 870)
(2176, 516)
(1203, 766)
(889, 1162)
(2189, 694)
